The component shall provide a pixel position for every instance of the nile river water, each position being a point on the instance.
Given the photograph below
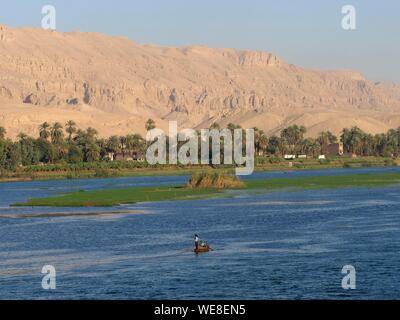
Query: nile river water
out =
(283, 245)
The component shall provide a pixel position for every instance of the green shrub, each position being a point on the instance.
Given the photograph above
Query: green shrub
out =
(366, 164)
(390, 163)
(274, 160)
(347, 165)
(101, 173)
(214, 180)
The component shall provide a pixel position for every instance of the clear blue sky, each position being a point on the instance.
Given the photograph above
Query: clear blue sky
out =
(304, 32)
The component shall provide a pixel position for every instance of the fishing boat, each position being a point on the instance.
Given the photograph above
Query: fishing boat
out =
(203, 247)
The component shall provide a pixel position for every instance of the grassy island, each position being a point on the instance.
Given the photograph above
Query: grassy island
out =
(113, 197)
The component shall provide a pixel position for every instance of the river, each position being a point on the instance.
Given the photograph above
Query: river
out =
(281, 245)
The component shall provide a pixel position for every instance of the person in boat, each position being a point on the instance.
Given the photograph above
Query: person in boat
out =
(196, 241)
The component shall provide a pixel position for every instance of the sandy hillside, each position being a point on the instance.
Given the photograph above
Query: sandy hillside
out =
(115, 84)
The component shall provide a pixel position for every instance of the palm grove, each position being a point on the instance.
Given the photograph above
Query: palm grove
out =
(68, 144)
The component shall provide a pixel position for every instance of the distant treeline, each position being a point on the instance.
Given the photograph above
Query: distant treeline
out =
(68, 144)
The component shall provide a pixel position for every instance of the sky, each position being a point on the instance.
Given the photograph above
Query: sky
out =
(307, 33)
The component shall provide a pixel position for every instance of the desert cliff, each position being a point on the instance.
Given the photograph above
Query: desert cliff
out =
(115, 85)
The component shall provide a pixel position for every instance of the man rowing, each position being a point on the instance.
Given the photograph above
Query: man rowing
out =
(196, 241)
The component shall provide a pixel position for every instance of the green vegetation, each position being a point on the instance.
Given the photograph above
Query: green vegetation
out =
(120, 196)
(322, 182)
(72, 153)
(215, 180)
(132, 195)
(104, 169)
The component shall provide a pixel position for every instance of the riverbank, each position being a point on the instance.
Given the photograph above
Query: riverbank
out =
(114, 197)
(129, 169)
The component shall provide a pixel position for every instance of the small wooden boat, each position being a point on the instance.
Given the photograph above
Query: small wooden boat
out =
(202, 248)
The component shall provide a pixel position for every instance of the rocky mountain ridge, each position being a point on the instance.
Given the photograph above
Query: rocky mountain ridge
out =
(115, 84)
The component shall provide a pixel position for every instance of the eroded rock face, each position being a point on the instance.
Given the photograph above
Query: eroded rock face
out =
(32, 99)
(259, 59)
(72, 101)
(5, 93)
(5, 34)
(198, 85)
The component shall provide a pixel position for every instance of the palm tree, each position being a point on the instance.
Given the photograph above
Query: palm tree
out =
(91, 133)
(310, 146)
(353, 139)
(263, 142)
(150, 125)
(273, 145)
(129, 141)
(2, 133)
(345, 139)
(80, 137)
(324, 139)
(282, 146)
(44, 132)
(368, 144)
(135, 144)
(25, 149)
(393, 140)
(293, 136)
(70, 128)
(113, 145)
(56, 133)
(215, 126)
(232, 126)
(92, 152)
(260, 141)
(22, 137)
(398, 140)
(123, 142)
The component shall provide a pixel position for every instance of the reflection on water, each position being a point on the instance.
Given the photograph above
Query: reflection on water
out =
(266, 246)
